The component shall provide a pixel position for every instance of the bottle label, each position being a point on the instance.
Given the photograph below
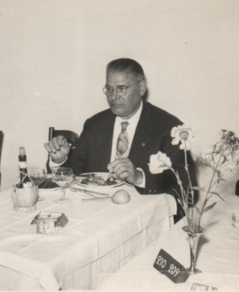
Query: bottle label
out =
(22, 164)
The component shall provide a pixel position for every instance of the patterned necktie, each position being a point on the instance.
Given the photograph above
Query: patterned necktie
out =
(123, 141)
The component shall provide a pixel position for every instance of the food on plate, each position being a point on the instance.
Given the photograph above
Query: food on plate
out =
(48, 184)
(99, 180)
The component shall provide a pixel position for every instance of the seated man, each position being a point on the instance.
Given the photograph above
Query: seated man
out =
(122, 139)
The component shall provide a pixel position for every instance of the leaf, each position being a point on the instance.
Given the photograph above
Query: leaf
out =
(209, 207)
(218, 173)
(220, 179)
(207, 199)
(217, 195)
(224, 159)
(198, 188)
(177, 194)
(179, 201)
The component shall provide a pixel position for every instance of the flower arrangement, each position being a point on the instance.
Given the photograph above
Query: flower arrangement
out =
(221, 158)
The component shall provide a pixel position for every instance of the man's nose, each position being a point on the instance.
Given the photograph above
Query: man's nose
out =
(115, 95)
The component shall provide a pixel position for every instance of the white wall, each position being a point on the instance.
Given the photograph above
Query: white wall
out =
(53, 56)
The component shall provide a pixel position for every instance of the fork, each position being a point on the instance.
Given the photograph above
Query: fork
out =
(93, 192)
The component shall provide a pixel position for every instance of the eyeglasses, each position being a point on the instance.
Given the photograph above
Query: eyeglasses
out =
(120, 90)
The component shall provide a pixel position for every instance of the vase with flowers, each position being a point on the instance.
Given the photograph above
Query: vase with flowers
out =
(222, 156)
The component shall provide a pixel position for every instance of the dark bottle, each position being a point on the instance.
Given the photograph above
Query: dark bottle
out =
(237, 188)
(22, 158)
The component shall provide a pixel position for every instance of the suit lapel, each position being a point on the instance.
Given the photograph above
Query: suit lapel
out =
(143, 136)
(103, 140)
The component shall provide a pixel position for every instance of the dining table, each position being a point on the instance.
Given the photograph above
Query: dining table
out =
(217, 255)
(99, 238)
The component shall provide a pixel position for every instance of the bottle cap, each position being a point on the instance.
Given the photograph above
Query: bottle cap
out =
(22, 151)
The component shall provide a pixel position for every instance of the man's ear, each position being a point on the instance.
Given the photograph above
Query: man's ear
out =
(143, 87)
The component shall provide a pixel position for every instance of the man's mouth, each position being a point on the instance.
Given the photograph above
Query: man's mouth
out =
(116, 104)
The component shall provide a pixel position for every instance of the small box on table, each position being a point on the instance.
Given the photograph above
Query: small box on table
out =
(47, 221)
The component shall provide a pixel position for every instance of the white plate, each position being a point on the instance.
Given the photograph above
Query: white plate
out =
(49, 189)
(103, 175)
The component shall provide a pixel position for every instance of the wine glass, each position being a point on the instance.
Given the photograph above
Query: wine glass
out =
(38, 176)
(62, 176)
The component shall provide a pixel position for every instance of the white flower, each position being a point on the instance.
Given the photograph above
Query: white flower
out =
(182, 134)
(159, 162)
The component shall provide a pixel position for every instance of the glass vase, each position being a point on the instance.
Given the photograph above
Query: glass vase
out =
(193, 243)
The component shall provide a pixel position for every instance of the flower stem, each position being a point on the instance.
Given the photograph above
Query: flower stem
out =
(211, 182)
(189, 179)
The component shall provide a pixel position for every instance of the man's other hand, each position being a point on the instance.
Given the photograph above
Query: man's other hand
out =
(124, 169)
(58, 148)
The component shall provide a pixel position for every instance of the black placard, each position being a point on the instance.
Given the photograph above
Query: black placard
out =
(168, 266)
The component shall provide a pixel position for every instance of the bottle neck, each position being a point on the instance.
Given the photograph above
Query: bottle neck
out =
(23, 171)
(22, 164)
(22, 167)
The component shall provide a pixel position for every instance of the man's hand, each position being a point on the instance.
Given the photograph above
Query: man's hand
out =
(58, 148)
(124, 169)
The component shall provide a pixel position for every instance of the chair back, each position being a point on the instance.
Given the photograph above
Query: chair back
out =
(1, 144)
(237, 188)
(70, 136)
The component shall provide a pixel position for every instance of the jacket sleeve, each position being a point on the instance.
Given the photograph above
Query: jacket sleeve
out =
(78, 154)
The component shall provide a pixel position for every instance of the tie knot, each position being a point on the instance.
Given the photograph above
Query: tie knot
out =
(124, 126)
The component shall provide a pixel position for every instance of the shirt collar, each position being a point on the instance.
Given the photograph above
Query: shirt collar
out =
(134, 119)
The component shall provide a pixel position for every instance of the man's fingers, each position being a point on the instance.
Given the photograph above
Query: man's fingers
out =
(123, 175)
(60, 140)
(48, 149)
(65, 143)
(57, 142)
(52, 147)
(122, 165)
(124, 169)
(54, 144)
(116, 162)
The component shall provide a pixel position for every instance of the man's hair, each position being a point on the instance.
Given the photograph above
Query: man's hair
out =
(127, 66)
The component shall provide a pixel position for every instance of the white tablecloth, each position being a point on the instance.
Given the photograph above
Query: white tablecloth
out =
(99, 238)
(218, 257)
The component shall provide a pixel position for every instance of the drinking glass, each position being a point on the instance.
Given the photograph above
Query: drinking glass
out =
(38, 176)
(62, 176)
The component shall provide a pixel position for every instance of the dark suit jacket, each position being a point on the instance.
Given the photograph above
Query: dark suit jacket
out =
(92, 151)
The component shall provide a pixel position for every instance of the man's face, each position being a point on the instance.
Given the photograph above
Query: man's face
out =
(124, 106)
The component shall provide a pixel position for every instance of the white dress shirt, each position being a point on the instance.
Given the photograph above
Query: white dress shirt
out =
(131, 128)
